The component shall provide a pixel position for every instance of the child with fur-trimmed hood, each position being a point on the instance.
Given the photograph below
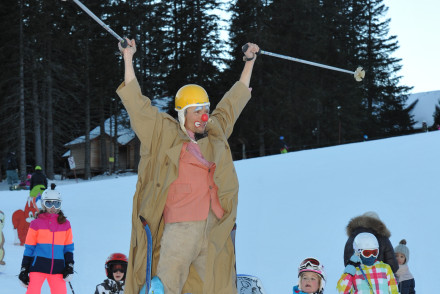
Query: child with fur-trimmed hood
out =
(369, 222)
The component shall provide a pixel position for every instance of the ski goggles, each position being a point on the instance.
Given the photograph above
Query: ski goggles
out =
(118, 268)
(310, 263)
(369, 252)
(121, 270)
(201, 107)
(52, 203)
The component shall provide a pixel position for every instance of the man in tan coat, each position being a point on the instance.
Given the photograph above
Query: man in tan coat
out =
(187, 187)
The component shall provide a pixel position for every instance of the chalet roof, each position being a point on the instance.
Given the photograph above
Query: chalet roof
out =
(125, 134)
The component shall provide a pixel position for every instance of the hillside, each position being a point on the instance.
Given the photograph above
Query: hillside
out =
(291, 206)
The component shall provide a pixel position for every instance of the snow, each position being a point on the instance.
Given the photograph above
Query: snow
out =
(425, 107)
(291, 206)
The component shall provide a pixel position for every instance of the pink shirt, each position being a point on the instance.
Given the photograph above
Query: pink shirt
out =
(194, 191)
(195, 150)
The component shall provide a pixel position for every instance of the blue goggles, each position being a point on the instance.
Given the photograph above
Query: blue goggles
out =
(201, 107)
(52, 203)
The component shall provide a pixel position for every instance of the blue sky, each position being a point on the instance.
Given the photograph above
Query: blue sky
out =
(416, 24)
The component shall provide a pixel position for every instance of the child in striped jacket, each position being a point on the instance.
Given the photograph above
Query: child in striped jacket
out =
(364, 274)
(48, 250)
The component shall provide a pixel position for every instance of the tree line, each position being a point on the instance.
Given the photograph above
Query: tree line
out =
(61, 70)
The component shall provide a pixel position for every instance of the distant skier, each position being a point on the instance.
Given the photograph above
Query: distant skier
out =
(283, 145)
(187, 187)
(48, 250)
(311, 277)
(115, 270)
(424, 127)
(2, 238)
(371, 223)
(11, 169)
(24, 185)
(38, 183)
(364, 273)
(38, 178)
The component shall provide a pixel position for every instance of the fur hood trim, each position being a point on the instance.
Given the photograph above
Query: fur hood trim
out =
(369, 223)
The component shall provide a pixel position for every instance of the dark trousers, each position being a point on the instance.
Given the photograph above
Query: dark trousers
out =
(407, 287)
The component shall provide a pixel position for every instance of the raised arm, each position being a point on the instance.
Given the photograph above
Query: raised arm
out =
(249, 65)
(127, 54)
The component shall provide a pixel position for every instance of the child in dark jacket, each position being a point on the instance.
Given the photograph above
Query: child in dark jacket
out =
(311, 277)
(49, 247)
(115, 269)
(404, 277)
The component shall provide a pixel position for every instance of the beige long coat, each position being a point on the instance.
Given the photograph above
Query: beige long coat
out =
(161, 142)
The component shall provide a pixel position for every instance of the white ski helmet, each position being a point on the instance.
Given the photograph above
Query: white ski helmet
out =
(365, 241)
(51, 195)
(312, 264)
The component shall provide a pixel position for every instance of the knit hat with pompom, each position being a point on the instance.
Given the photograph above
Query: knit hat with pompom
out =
(403, 249)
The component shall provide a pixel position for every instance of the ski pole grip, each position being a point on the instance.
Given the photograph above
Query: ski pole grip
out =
(124, 43)
(245, 48)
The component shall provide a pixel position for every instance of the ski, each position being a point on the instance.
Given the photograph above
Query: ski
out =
(145, 289)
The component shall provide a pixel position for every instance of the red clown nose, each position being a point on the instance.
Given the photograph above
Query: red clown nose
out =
(205, 117)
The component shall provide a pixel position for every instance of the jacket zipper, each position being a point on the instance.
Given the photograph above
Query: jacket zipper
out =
(53, 241)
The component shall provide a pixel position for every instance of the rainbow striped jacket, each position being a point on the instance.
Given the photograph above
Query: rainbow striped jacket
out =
(48, 245)
(379, 276)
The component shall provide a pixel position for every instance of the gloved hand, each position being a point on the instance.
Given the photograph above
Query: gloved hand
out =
(24, 277)
(156, 286)
(354, 262)
(68, 272)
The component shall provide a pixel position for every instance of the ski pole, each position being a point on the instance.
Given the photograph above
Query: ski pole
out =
(83, 7)
(358, 74)
(71, 288)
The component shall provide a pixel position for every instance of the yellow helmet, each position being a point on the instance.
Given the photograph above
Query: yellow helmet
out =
(190, 95)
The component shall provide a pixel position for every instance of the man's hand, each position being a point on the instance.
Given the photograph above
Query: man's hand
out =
(68, 272)
(251, 52)
(128, 51)
(249, 56)
(24, 277)
(127, 54)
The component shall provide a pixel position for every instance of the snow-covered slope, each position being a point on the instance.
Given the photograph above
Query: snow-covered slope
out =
(291, 206)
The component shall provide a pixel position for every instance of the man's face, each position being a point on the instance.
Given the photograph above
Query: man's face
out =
(193, 118)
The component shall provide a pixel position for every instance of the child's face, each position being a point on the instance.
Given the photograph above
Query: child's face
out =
(118, 275)
(309, 282)
(52, 210)
(401, 259)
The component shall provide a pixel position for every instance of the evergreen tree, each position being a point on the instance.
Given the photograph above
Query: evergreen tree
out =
(384, 97)
(248, 19)
(436, 116)
(196, 45)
